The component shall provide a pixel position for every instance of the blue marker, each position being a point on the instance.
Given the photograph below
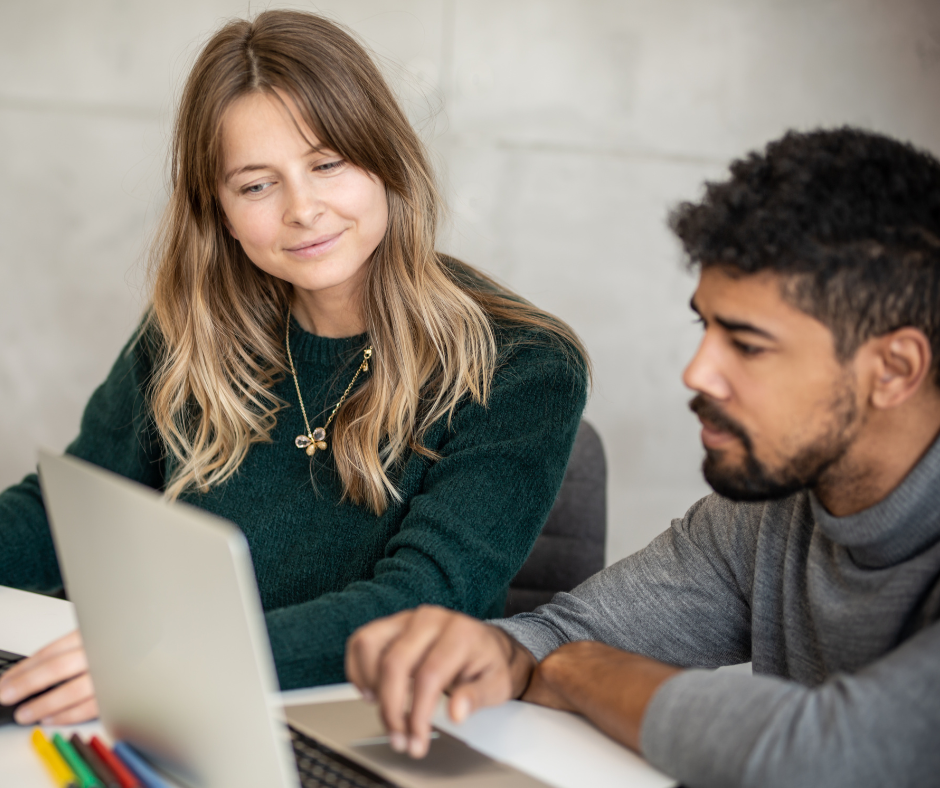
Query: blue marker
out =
(143, 770)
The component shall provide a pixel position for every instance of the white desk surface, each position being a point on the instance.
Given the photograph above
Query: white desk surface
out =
(559, 748)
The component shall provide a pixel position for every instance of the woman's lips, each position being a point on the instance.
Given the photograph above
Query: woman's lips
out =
(316, 247)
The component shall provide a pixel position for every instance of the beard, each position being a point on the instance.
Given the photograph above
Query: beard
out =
(753, 480)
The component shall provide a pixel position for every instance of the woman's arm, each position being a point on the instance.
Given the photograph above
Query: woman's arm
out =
(117, 434)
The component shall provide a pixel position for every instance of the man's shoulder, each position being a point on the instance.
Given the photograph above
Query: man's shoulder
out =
(774, 518)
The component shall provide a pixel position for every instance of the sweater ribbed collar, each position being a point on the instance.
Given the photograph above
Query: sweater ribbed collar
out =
(896, 528)
(307, 348)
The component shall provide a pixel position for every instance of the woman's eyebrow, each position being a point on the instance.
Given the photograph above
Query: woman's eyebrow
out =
(252, 167)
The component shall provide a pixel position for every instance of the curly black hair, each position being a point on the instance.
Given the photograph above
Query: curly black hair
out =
(849, 218)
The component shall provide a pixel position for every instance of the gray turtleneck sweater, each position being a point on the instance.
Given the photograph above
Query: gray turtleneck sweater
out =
(840, 617)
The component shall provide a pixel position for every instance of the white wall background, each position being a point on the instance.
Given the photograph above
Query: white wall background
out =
(563, 131)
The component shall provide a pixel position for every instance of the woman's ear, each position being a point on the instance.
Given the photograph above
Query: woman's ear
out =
(902, 361)
(228, 226)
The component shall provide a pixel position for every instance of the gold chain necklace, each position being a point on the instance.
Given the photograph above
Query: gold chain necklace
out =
(316, 439)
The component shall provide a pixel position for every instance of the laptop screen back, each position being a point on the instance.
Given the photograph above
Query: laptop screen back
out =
(168, 607)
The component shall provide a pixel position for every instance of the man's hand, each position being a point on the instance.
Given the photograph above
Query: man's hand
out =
(610, 687)
(425, 652)
(61, 663)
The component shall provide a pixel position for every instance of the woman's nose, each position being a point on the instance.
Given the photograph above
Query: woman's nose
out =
(304, 205)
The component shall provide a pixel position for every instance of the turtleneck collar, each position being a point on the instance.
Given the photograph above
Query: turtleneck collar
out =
(325, 351)
(896, 528)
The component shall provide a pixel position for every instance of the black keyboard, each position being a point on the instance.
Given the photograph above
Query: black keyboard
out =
(7, 661)
(321, 767)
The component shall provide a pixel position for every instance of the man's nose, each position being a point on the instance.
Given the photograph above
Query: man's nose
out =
(704, 372)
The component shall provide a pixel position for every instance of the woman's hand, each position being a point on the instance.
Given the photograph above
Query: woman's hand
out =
(61, 666)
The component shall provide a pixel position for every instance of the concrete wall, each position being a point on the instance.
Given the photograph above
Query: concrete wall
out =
(563, 131)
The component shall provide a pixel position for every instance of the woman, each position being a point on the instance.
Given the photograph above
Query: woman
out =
(385, 424)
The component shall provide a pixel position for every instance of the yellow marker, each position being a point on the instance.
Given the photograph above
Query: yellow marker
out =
(58, 769)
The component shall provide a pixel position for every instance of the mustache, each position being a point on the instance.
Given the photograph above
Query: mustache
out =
(708, 411)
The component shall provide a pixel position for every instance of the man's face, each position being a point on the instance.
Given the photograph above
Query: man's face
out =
(778, 409)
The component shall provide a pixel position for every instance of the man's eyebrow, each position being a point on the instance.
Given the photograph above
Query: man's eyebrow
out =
(252, 167)
(734, 325)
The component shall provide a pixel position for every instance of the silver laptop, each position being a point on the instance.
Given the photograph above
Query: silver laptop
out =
(177, 648)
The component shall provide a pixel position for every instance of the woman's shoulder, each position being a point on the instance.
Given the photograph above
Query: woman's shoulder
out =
(526, 336)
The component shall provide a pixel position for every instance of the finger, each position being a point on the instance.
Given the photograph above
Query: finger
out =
(69, 642)
(40, 674)
(458, 655)
(365, 647)
(54, 702)
(488, 688)
(397, 665)
(83, 712)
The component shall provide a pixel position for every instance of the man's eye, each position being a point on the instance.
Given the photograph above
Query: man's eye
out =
(748, 350)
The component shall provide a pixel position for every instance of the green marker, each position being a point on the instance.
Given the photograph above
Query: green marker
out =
(85, 775)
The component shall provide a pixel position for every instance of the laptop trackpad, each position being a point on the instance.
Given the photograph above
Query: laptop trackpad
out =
(447, 758)
(354, 729)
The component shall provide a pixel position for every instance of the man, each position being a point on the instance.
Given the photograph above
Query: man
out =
(818, 557)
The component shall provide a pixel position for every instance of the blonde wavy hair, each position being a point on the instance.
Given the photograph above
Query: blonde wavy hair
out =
(219, 321)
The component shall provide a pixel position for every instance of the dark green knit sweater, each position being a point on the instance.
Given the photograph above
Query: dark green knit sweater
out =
(465, 526)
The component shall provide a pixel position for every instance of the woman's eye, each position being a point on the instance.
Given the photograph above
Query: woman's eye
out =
(329, 166)
(255, 188)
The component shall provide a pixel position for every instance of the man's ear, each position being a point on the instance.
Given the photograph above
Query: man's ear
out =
(902, 359)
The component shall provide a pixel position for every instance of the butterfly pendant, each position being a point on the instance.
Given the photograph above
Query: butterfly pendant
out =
(310, 443)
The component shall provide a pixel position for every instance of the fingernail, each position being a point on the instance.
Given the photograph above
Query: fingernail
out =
(461, 709)
(415, 748)
(7, 696)
(24, 716)
(398, 741)
(368, 696)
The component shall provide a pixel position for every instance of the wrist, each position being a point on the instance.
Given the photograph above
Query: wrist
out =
(519, 660)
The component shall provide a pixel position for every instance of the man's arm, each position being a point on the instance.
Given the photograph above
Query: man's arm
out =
(431, 650)
(876, 727)
(612, 688)
(684, 599)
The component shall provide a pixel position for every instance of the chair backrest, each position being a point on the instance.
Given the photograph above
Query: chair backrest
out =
(571, 546)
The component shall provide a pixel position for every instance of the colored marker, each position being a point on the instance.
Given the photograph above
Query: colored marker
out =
(58, 769)
(86, 777)
(139, 766)
(115, 764)
(98, 766)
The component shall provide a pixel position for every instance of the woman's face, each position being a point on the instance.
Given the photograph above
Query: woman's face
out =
(300, 212)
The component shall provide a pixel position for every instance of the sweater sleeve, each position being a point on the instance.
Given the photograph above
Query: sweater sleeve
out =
(646, 603)
(872, 728)
(471, 526)
(116, 433)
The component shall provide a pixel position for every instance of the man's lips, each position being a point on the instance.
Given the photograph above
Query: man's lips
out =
(315, 246)
(713, 437)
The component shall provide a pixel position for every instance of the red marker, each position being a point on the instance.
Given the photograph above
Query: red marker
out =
(114, 763)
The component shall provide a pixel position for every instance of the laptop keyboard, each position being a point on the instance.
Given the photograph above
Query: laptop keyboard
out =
(321, 767)
(8, 660)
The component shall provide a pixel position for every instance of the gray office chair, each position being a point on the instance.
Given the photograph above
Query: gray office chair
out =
(571, 546)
